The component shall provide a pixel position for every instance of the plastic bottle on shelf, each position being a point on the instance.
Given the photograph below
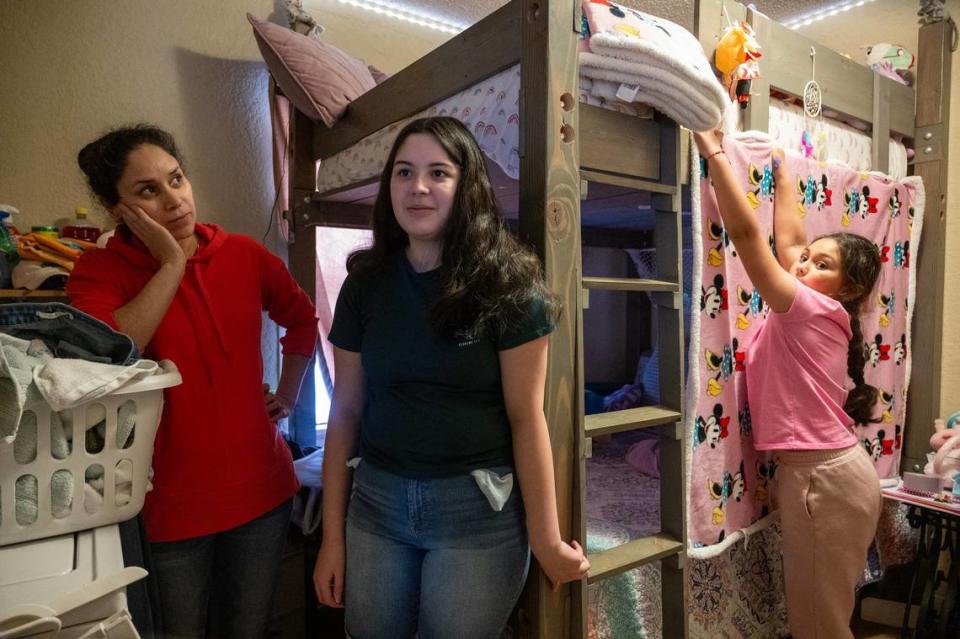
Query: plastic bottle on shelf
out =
(8, 237)
(81, 229)
(48, 231)
(8, 248)
(6, 220)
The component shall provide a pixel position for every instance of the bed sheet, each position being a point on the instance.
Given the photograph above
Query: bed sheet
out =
(843, 143)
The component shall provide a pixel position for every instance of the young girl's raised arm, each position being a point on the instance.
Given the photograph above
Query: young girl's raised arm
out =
(788, 230)
(774, 284)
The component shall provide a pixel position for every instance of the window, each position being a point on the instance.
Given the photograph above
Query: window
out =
(333, 247)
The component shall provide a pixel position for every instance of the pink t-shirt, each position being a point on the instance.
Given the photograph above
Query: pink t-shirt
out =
(797, 376)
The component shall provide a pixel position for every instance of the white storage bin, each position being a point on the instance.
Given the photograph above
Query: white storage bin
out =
(66, 587)
(43, 473)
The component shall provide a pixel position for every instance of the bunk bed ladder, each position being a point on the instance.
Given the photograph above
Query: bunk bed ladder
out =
(667, 546)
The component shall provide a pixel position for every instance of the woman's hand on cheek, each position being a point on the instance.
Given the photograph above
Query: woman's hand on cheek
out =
(158, 240)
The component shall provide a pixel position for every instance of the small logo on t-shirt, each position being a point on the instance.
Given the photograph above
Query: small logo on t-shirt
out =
(466, 337)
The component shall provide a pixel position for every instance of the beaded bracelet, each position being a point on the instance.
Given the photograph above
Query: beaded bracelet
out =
(717, 152)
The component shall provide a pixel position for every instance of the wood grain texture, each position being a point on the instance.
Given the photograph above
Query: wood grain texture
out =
(550, 222)
(633, 554)
(630, 419)
(617, 143)
(303, 260)
(933, 112)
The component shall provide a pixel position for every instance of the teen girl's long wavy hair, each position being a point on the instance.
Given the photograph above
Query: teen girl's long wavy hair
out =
(860, 266)
(487, 278)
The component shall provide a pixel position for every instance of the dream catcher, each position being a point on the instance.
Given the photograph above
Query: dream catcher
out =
(812, 96)
(813, 144)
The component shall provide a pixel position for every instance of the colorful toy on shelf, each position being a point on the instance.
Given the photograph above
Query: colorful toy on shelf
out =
(736, 58)
(891, 61)
(945, 461)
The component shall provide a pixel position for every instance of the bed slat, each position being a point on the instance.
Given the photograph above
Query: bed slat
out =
(632, 554)
(630, 419)
(628, 284)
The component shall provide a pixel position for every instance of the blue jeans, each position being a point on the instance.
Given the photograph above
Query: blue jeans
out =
(221, 585)
(67, 332)
(431, 558)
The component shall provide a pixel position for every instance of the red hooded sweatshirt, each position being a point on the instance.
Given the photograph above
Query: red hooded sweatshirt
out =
(218, 461)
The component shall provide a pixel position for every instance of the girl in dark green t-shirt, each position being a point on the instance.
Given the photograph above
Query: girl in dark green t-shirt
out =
(440, 335)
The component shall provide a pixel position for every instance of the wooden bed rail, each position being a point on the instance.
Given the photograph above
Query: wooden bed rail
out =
(486, 48)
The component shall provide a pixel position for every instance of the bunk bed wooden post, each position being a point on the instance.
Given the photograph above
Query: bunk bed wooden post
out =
(756, 117)
(670, 343)
(932, 137)
(303, 257)
(880, 145)
(550, 222)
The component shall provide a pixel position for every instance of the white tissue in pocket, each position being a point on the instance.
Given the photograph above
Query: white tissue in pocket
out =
(495, 488)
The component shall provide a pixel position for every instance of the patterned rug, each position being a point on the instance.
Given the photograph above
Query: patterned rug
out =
(622, 504)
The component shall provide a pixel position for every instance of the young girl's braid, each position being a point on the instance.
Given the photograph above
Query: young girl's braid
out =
(860, 263)
(860, 400)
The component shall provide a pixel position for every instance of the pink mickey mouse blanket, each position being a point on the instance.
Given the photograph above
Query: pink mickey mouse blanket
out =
(730, 482)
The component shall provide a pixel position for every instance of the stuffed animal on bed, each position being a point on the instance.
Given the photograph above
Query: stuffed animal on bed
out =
(945, 462)
(891, 61)
(736, 58)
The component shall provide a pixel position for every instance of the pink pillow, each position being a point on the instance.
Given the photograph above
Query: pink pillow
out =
(320, 79)
(378, 75)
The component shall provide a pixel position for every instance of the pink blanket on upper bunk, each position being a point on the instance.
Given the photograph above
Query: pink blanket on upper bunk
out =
(730, 482)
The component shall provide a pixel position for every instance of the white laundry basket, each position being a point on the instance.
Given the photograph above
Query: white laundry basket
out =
(29, 471)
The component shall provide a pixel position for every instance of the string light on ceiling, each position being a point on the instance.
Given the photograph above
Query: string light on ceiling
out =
(825, 12)
(405, 16)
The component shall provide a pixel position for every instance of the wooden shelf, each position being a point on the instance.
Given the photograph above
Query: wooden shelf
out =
(630, 182)
(630, 419)
(628, 284)
(632, 555)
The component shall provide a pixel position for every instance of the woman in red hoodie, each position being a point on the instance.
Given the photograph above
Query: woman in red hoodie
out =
(193, 293)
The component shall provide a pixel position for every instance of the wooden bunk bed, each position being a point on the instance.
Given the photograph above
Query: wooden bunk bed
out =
(571, 154)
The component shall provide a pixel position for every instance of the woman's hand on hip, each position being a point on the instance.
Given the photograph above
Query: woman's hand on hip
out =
(328, 574)
(278, 406)
(158, 240)
(563, 562)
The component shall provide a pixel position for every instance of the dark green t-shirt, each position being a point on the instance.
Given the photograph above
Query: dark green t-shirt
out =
(433, 406)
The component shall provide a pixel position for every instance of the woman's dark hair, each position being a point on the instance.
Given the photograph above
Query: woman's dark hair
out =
(487, 278)
(860, 266)
(104, 160)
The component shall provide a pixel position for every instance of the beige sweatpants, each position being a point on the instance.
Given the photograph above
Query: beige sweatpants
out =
(829, 507)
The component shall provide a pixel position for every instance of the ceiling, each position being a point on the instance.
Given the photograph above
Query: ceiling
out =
(849, 32)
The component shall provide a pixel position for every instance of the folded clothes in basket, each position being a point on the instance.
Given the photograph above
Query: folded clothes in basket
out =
(68, 382)
(92, 433)
(18, 359)
(64, 332)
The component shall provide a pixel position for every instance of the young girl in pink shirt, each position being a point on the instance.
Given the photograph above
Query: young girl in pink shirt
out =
(797, 373)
